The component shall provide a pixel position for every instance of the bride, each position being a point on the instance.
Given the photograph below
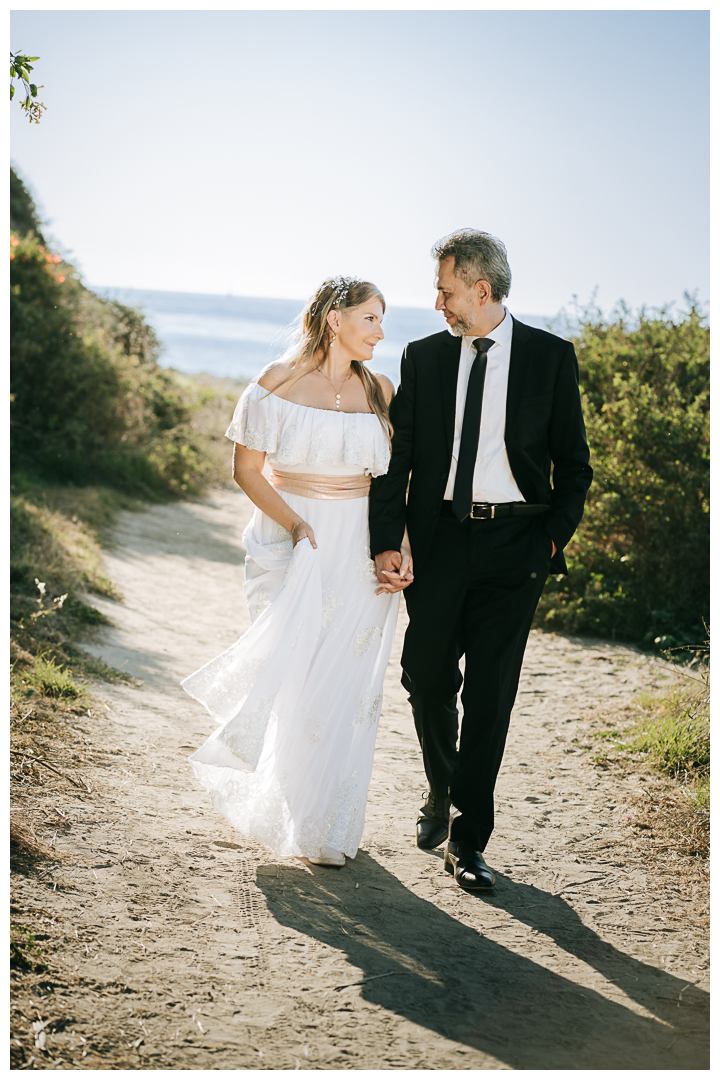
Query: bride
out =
(298, 697)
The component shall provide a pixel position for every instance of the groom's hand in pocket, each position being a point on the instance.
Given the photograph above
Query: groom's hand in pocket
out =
(394, 571)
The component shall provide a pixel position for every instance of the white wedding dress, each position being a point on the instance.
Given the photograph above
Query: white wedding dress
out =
(298, 697)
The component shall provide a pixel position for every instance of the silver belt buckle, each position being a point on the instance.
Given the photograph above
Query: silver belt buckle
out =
(492, 511)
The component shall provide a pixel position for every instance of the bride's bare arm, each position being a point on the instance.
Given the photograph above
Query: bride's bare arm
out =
(394, 568)
(248, 467)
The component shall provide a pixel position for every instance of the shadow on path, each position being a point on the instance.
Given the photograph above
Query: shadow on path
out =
(453, 980)
(184, 529)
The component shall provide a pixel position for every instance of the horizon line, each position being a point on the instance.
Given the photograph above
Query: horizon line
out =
(255, 296)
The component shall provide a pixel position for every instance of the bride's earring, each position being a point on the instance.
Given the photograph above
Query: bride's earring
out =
(332, 342)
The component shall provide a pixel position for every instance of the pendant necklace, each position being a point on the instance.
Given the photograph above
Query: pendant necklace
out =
(337, 392)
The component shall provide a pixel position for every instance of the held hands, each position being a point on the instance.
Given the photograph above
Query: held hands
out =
(300, 530)
(394, 570)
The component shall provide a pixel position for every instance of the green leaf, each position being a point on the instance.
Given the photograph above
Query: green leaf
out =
(12, 92)
(33, 89)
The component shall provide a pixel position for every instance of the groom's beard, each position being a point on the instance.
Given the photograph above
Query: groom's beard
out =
(460, 328)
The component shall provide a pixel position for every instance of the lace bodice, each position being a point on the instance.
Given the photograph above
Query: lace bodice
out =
(292, 434)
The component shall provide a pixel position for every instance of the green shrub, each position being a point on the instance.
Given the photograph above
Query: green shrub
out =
(639, 563)
(23, 213)
(674, 730)
(52, 680)
(96, 423)
(54, 546)
(698, 796)
(90, 404)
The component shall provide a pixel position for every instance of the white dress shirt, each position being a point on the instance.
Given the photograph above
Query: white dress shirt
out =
(493, 481)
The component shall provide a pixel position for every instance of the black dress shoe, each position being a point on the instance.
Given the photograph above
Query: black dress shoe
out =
(466, 864)
(433, 824)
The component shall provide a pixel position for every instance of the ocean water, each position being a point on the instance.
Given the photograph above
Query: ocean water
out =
(236, 336)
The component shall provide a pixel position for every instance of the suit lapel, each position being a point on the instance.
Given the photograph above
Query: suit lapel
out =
(449, 360)
(520, 357)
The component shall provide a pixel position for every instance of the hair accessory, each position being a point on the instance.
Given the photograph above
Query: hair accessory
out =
(341, 286)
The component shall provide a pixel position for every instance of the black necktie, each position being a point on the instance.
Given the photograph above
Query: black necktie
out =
(463, 490)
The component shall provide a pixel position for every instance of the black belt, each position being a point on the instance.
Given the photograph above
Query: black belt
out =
(490, 511)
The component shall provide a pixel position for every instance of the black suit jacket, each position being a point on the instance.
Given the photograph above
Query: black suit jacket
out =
(544, 431)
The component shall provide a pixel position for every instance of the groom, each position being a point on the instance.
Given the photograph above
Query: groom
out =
(489, 431)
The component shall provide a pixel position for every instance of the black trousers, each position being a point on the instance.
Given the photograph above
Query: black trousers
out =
(475, 596)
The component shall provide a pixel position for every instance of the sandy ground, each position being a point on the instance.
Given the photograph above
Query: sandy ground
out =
(185, 946)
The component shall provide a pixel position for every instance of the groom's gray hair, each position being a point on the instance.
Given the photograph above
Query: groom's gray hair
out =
(478, 257)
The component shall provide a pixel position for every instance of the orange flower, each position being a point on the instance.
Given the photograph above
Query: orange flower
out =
(40, 247)
(56, 258)
(11, 255)
(61, 278)
(48, 258)
(14, 241)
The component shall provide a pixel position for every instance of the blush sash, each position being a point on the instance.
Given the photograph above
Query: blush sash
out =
(313, 486)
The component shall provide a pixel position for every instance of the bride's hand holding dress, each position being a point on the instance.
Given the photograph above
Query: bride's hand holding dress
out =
(248, 467)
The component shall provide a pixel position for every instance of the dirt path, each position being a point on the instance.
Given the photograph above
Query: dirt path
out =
(183, 946)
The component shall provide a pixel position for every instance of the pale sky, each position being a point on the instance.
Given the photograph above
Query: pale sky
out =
(256, 153)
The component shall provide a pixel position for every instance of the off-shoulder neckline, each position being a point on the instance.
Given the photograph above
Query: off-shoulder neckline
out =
(314, 408)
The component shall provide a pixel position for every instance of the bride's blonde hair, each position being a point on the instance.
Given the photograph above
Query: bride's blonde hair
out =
(310, 346)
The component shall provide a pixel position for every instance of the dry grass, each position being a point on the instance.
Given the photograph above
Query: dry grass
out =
(677, 817)
(44, 749)
(24, 842)
(55, 566)
(667, 735)
(43, 763)
(55, 562)
(56, 537)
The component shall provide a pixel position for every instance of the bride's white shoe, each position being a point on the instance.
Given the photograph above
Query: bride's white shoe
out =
(328, 856)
